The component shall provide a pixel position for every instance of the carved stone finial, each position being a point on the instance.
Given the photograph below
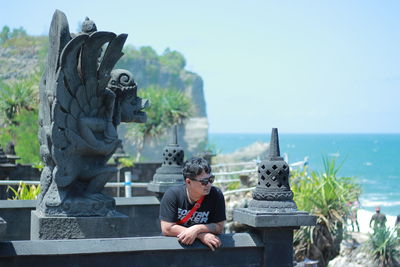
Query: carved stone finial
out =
(170, 172)
(175, 135)
(10, 152)
(273, 192)
(10, 149)
(274, 144)
(88, 26)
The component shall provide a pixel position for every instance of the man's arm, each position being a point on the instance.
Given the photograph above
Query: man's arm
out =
(214, 228)
(209, 238)
(187, 235)
(171, 229)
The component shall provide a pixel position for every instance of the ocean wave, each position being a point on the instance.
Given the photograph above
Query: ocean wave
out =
(367, 163)
(371, 203)
(374, 198)
(367, 181)
(380, 195)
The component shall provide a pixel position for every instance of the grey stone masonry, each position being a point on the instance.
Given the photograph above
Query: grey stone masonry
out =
(45, 227)
(236, 250)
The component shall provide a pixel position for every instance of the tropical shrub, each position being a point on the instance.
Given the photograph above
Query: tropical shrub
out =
(126, 162)
(383, 247)
(18, 108)
(15, 97)
(326, 196)
(24, 135)
(25, 192)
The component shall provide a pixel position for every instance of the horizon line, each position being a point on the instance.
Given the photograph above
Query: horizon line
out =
(268, 133)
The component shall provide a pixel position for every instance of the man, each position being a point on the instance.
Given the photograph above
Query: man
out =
(378, 218)
(195, 209)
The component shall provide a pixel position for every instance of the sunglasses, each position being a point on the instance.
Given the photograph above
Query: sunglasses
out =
(210, 179)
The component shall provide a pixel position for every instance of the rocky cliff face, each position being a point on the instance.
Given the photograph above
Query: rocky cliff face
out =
(19, 62)
(21, 58)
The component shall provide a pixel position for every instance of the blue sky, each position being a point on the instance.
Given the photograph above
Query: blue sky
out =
(301, 66)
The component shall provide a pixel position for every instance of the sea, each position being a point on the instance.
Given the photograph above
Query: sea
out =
(372, 159)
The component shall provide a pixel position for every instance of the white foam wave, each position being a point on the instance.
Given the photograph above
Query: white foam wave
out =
(366, 181)
(372, 203)
(382, 195)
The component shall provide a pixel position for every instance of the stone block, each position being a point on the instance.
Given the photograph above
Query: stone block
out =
(43, 227)
(259, 218)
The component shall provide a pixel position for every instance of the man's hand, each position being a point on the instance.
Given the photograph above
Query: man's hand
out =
(210, 240)
(188, 236)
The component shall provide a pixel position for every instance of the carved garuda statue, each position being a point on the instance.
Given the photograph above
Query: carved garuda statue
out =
(82, 101)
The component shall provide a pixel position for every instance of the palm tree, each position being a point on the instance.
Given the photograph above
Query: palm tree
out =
(15, 97)
(168, 107)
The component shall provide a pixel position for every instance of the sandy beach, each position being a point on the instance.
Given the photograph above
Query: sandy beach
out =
(364, 216)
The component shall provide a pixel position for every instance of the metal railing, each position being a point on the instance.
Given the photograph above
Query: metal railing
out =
(128, 184)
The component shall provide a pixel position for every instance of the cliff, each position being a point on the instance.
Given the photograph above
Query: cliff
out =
(23, 56)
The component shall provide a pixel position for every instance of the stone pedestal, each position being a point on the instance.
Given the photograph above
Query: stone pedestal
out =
(44, 227)
(276, 230)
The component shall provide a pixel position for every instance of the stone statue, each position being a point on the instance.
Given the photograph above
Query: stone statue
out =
(82, 101)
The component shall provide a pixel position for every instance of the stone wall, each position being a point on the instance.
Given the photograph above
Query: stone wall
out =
(142, 213)
(237, 250)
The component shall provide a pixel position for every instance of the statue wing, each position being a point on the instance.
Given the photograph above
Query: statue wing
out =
(80, 96)
(59, 36)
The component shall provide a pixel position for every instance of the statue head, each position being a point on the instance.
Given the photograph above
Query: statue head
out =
(125, 89)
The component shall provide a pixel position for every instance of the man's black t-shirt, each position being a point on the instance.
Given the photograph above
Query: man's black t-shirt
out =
(175, 205)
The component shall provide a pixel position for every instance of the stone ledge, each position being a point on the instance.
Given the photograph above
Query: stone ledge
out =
(117, 245)
(258, 218)
(120, 201)
(145, 200)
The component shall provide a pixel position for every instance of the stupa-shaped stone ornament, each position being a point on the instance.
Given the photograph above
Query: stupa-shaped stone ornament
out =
(273, 191)
(272, 210)
(5, 162)
(170, 172)
(3, 157)
(10, 153)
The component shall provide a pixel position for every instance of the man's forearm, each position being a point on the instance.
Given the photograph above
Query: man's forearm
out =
(169, 229)
(215, 228)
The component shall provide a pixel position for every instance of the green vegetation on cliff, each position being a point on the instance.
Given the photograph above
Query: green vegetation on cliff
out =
(22, 60)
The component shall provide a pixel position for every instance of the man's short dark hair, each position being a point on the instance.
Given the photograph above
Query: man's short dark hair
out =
(195, 166)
